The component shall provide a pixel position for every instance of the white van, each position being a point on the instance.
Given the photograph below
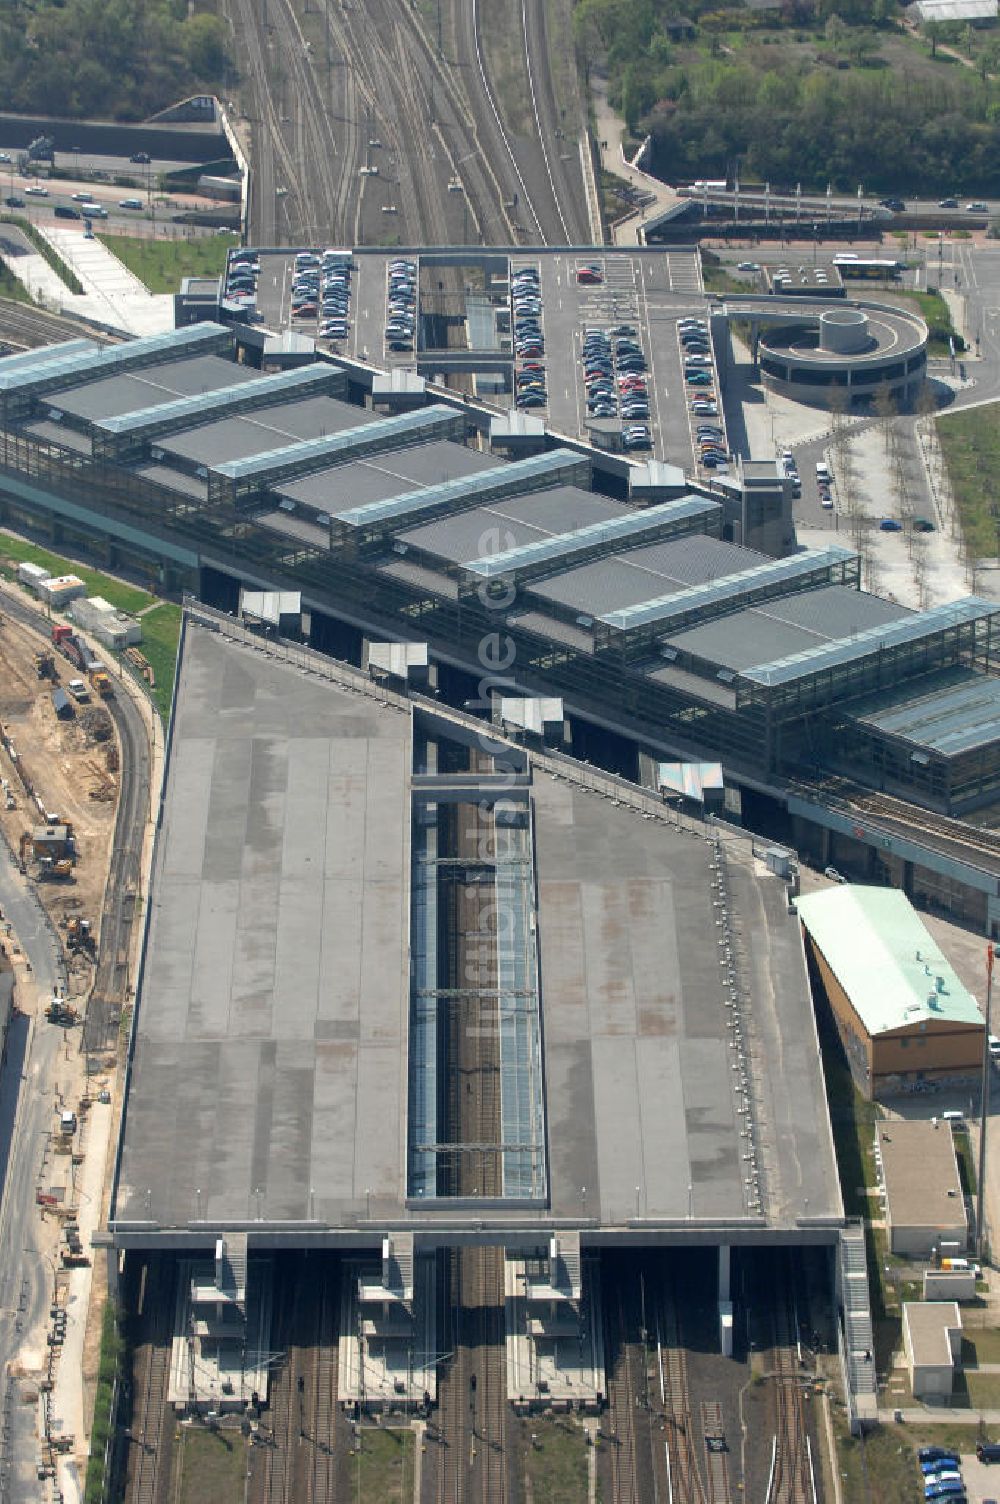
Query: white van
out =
(822, 470)
(955, 1118)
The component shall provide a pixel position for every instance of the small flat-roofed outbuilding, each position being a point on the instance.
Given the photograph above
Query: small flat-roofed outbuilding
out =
(924, 1205)
(932, 1343)
(901, 1011)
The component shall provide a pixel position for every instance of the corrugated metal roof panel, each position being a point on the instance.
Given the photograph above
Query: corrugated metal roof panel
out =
(912, 628)
(885, 959)
(948, 718)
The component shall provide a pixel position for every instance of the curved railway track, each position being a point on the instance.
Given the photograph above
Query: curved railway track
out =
(791, 1476)
(501, 133)
(567, 204)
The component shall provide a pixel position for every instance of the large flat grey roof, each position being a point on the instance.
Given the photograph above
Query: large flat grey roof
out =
(638, 1064)
(238, 438)
(509, 523)
(386, 474)
(269, 1075)
(642, 574)
(132, 390)
(762, 634)
(269, 1068)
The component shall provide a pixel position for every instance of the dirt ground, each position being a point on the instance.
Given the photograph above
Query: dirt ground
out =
(66, 766)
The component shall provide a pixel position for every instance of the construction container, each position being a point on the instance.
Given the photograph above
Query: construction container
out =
(63, 705)
(112, 628)
(61, 589)
(32, 575)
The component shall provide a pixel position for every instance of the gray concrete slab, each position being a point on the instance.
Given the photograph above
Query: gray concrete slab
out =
(269, 1055)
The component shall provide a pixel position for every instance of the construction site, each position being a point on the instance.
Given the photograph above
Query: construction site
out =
(468, 1144)
(60, 768)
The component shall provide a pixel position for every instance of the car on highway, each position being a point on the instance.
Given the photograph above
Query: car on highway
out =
(947, 203)
(94, 211)
(142, 157)
(977, 207)
(130, 203)
(66, 211)
(923, 525)
(748, 266)
(4, 156)
(36, 190)
(890, 525)
(13, 202)
(80, 198)
(895, 204)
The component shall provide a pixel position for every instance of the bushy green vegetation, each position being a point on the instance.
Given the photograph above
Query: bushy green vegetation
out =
(119, 58)
(831, 92)
(160, 264)
(111, 1350)
(11, 288)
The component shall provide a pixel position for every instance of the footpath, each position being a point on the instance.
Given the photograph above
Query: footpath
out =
(610, 129)
(113, 297)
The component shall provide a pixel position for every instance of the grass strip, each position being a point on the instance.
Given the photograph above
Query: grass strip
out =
(160, 265)
(970, 445)
(14, 551)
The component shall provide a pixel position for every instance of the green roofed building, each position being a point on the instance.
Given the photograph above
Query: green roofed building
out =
(901, 1012)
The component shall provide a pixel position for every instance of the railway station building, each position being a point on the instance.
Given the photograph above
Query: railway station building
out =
(407, 985)
(643, 611)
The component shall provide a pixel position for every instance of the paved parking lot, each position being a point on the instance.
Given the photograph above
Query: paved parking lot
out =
(645, 287)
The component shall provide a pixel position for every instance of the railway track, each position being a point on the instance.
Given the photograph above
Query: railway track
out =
(621, 1407)
(685, 1477)
(472, 1393)
(791, 1479)
(321, 1385)
(33, 327)
(151, 1431)
(568, 204)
